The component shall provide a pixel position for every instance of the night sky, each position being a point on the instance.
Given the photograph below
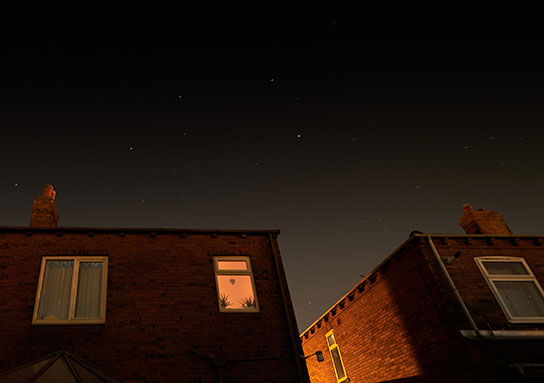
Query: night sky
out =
(345, 128)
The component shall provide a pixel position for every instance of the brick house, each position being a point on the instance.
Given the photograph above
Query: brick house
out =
(441, 308)
(153, 305)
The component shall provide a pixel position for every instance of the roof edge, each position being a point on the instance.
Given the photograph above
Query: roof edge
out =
(362, 281)
(479, 235)
(126, 230)
(397, 250)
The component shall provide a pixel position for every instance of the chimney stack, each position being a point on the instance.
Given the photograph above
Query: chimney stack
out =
(483, 221)
(44, 211)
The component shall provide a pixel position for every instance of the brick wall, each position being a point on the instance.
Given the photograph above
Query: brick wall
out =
(161, 301)
(472, 285)
(479, 299)
(402, 323)
(398, 327)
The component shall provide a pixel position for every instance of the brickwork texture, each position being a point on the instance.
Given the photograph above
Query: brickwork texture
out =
(402, 323)
(162, 318)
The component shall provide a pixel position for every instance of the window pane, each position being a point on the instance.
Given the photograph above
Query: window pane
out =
(55, 292)
(330, 339)
(509, 268)
(59, 371)
(522, 298)
(236, 291)
(231, 265)
(89, 290)
(337, 363)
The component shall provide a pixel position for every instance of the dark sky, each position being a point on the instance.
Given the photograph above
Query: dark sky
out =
(345, 128)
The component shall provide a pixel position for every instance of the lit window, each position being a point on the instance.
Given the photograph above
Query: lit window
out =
(515, 287)
(235, 285)
(336, 357)
(71, 290)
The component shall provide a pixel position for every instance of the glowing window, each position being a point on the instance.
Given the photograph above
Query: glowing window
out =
(235, 284)
(71, 290)
(336, 358)
(515, 287)
(232, 265)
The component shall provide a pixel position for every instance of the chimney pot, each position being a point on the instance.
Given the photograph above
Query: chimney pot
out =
(44, 210)
(48, 191)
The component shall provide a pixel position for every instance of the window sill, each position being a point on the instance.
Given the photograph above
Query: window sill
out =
(68, 322)
(239, 311)
(504, 334)
(526, 320)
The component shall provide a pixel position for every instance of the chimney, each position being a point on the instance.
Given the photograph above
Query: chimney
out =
(44, 211)
(483, 221)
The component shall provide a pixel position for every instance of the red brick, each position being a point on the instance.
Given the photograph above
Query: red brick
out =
(161, 301)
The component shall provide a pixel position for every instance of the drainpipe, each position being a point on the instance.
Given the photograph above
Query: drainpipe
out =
(302, 377)
(453, 288)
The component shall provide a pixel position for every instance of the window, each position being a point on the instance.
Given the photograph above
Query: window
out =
(515, 287)
(336, 357)
(71, 290)
(235, 285)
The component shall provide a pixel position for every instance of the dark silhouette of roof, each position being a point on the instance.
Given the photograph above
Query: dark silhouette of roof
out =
(58, 367)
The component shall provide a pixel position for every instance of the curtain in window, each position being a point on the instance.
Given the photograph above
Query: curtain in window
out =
(55, 292)
(89, 290)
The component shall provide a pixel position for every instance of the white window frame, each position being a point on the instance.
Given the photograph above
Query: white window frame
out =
(491, 278)
(249, 272)
(335, 345)
(73, 291)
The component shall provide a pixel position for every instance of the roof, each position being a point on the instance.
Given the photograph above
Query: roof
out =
(359, 287)
(58, 367)
(133, 230)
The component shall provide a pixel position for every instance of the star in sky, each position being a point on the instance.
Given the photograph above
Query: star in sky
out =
(366, 155)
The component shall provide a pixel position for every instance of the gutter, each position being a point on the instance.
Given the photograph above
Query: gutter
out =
(131, 230)
(458, 298)
(504, 334)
